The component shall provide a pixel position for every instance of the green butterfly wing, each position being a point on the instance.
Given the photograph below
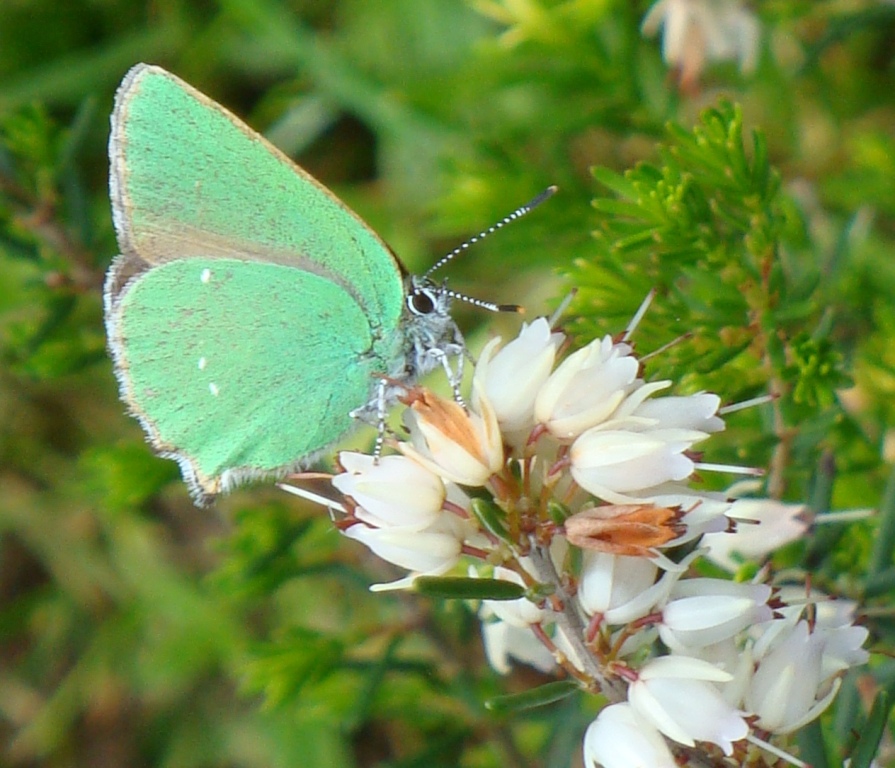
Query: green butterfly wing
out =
(250, 311)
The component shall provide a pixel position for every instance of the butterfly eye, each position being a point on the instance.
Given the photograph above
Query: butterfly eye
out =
(421, 302)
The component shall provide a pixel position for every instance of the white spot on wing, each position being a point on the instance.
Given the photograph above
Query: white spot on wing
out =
(213, 388)
(205, 276)
(202, 363)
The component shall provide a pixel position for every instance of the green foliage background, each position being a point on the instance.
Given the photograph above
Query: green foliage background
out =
(137, 630)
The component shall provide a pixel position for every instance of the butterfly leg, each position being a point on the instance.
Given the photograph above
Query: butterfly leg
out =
(454, 372)
(381, 407)
(459, 351)
(375, 413)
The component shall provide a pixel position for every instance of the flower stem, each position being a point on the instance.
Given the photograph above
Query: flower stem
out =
(570, 623)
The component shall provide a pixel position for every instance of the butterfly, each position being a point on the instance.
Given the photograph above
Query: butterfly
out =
(251, 316)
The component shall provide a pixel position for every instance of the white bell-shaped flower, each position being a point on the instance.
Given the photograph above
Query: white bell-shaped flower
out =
(393, 491)
(832, 624)
(698, 412)
(512, 377)
(766, 525)
(620, 738)
(697, 31)
(787, 690)
(586, 388)
(676, 694)
(614, 464)
(706, 611)
(431, 551)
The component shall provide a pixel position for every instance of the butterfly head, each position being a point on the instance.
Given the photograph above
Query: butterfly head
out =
(431, 334)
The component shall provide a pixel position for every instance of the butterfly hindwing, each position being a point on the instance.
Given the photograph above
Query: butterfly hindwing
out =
(234, 372)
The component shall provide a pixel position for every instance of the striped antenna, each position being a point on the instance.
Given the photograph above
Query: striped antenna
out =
(481, 304)
(518, 213)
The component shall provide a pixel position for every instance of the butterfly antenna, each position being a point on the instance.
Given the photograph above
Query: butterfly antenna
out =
(489, 305)
(517, 214)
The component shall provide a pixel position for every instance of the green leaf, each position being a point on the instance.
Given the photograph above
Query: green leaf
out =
(534, 697)
(872, 732)
(281, 670)
(460, 588)
(491, 517)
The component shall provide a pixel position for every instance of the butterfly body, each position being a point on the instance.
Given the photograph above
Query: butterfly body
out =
(250, 312)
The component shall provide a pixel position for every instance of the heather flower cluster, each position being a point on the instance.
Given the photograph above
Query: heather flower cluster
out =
(696, 32)
(569, 475)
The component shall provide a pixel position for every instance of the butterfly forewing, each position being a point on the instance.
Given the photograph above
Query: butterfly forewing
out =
(190, 179)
